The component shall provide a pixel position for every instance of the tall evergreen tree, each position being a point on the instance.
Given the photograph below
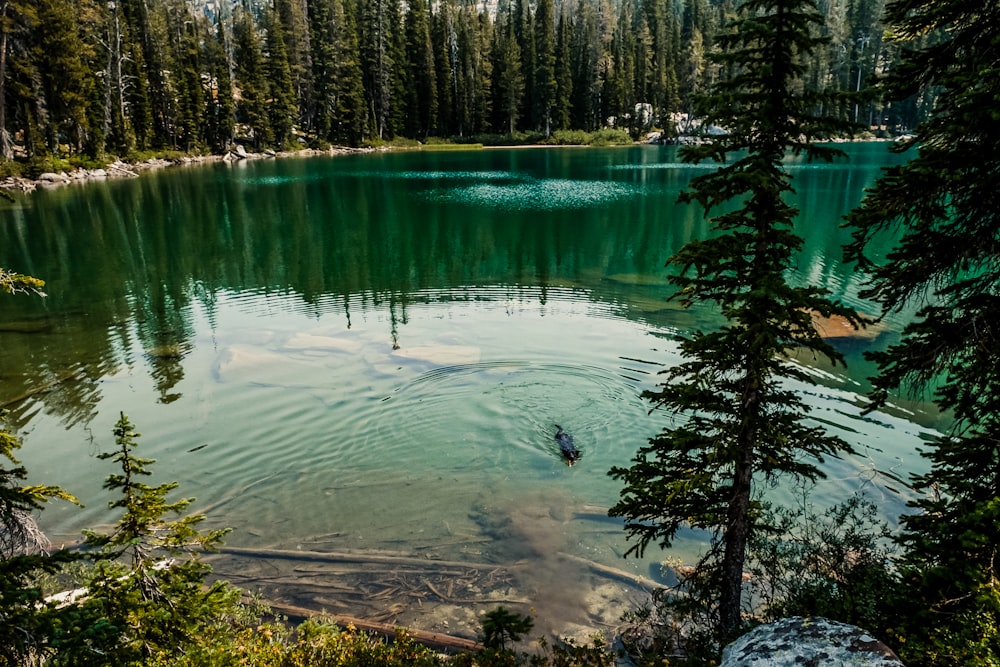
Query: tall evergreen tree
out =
(739, 422)
(546, 85)
(942, 208)
(508, 77)
(65, 80)
(251, 79)
(337, 75)
(191, 96)
(523, 23)
(446, 61)
(561, 106)
(475, 36)
(148, 27)
(382, 46)
(221, 110)
(400, 81)
(282, 106)
(421, 117)
(294, 16)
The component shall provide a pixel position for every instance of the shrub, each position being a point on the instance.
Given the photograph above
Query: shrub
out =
(610, 136)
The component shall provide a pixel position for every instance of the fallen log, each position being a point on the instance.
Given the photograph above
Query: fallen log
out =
(347, 557)
(62, 376)
(434, 640)
(614, 573)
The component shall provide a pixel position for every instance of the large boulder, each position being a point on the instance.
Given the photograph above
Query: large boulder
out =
(808, 642)
(49, 177)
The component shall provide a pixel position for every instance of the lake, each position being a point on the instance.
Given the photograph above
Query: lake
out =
(362, 359)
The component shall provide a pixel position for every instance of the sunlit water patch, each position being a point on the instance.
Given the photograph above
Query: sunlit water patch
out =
(540, 195)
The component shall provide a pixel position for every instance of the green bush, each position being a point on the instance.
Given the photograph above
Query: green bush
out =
(570, 138)
(609, 136)
(837, 565)
(11, 168)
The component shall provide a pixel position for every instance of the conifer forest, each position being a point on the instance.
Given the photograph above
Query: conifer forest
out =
(97, 78)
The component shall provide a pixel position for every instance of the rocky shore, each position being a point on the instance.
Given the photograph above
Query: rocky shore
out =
(120, 169)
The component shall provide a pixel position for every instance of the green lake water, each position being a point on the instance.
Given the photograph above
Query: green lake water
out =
(370, 352)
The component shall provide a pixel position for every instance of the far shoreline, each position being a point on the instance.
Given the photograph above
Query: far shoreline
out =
(119, 169)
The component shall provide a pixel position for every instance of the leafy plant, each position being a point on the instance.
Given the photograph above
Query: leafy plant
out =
(838, 565)
(18, 283)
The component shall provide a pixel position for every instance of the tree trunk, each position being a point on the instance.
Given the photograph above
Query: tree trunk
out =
(738, 514)
(6, 147)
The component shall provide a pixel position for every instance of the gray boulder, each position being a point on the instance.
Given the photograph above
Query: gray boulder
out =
(808, 642)
(49, 177)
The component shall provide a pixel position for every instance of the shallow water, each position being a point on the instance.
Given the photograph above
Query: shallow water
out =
(371, 352)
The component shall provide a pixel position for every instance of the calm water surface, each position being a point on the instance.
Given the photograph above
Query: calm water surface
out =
(371, 352)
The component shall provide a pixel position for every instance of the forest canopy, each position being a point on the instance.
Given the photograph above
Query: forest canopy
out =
(90, 79)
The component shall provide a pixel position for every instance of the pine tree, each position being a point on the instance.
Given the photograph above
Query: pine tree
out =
(149, 574)
(61, 56)
(340, 115)
(523, 25)
(508, 78)
(148, 26)
(561, 111)
(281, 106)
(421, 117)
(941, 208)
(251, 79)
(294, 15)
(33, 627)
(446, 60)
(738, 421)
(382, 48)
(190, 94)
(584, 55)
(221, 111)
(546, 86)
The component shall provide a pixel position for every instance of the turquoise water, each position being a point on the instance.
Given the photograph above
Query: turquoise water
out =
(371, 352)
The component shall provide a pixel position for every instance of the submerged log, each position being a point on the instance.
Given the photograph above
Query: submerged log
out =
(614, 573)
(342, 557)
(434, 640)
(62, 376)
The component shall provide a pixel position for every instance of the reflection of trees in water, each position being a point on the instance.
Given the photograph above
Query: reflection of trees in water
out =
(128, 262)
(164, 329)
(53, 364)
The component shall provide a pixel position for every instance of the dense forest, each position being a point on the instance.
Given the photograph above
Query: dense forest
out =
(97, 78)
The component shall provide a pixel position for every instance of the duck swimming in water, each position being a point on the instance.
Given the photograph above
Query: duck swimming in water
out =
(566, 446)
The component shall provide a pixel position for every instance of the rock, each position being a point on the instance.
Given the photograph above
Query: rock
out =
(305, 341)
(442, 355)
(241, 152)
(49, 177)
(808, 642)
(837, 326)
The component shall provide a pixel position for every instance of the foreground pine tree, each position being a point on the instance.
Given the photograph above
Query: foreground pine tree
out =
(943, 206)
(150, 580)
(736, 423)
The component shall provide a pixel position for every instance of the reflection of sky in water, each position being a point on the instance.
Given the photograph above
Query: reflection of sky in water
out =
(547, 195)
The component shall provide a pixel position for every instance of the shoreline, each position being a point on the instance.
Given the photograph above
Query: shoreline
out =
(120, 169)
